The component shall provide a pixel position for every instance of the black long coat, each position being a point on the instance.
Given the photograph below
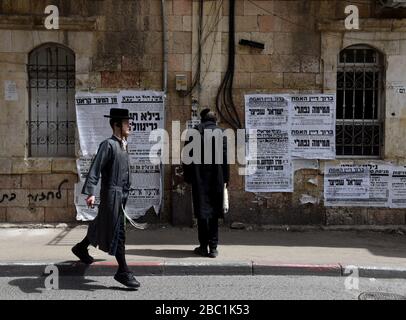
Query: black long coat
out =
(207, 179)
(112, 162)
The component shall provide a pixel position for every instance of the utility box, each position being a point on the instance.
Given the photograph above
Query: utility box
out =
(181, 82)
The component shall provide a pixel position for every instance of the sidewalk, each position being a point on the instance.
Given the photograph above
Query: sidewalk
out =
(169, 251)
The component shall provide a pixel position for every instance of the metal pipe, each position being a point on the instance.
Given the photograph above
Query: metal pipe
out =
(164, 89)
(164, 48)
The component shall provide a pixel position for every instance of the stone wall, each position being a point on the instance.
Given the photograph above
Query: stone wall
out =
(118, 45)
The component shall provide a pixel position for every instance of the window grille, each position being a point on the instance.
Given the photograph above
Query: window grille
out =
(51, 87)
(359, 129)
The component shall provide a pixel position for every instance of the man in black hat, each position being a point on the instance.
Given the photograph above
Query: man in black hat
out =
(207, 180)
(107, 231)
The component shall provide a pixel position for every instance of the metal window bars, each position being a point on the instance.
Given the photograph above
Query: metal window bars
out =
(359, 128)
(51, 88)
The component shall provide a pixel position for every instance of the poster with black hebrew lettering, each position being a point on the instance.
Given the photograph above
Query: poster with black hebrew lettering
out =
(271, 162)
(313, 126)
(92, 126)
(386, 189)
(397, 187)
(346, 184)
(147, 111)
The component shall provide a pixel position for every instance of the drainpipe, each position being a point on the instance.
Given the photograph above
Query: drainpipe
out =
(165, 48)
(164, 88)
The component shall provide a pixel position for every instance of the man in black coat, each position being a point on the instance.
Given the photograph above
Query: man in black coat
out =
(107, 230)
(208, 181)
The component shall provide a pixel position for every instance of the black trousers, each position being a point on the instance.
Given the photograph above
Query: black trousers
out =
(120, 251)
(208, 232)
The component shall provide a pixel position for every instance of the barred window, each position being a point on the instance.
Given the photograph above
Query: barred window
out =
(51, 87)
(359, 130)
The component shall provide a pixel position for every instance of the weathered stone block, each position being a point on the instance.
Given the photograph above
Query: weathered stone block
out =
(180, 42)
(151, 80)
(187, 23)
(175, 23)
(242, 80)
(13, 197)
(31, 165)
(346, 216)
(56, 215)
(246, 23)
(5, 41)
(267, 80)
(5, 166)
(3, 215)
(21, 41)
(136, 63)
(83, 64)
(285, 63)
(298, 42)
(53, 181)
(28, 181)
(155, 8)
(257, 8)
(106, 63)
(47, 198)
(122, 80)
(153, 43)
(81, 42)
(384, 216)
(176, 62)
(310, 64)
(154, 23)
(299, 80)
(10, 181)
(244, 63)
(64, 165)
(18, 214)
(267, 23)
(182, 7)
(262, 63)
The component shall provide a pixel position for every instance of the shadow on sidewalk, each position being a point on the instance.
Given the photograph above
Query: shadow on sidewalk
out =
(162, 253)
(37, 285)
(377, 243)
(71, 277)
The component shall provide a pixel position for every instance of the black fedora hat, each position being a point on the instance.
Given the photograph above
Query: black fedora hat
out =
(204, 112)
(116, 113)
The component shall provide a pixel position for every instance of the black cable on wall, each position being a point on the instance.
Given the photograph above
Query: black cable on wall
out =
(224, 100)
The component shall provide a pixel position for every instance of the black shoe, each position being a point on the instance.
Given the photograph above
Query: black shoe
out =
(213, 253)
(200, 251)
(82, 254)
(127, 279)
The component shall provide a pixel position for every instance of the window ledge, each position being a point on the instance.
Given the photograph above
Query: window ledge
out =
(36, 22)
(42, 165)
(365, 25)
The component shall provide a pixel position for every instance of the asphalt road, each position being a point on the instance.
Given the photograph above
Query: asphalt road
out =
(199, 287)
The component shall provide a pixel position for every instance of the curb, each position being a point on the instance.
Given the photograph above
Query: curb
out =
(176, 268)
(263, 268)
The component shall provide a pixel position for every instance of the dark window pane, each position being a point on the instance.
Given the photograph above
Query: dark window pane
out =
(358, 88)
(51, 83)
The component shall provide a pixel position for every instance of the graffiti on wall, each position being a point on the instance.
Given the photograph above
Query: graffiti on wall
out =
(36, 197)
